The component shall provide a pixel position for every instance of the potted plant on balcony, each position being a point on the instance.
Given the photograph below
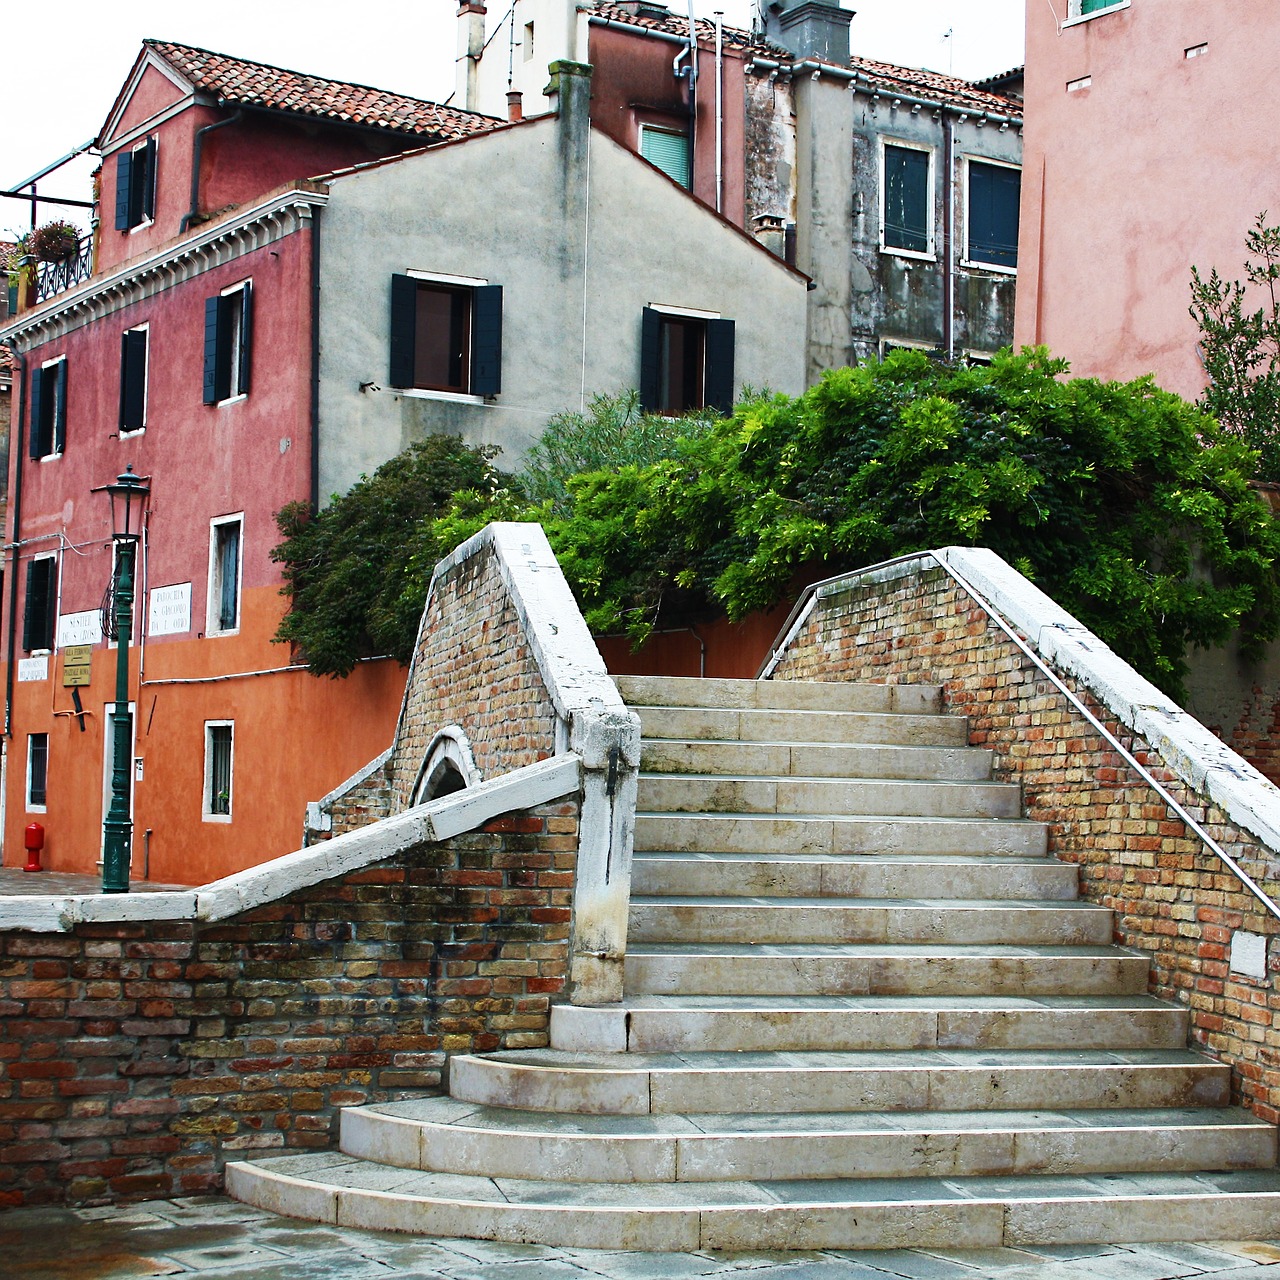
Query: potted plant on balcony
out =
(55, 241)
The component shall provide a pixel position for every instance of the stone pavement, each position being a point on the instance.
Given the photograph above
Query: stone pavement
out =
(17, 883)
(216, 1237)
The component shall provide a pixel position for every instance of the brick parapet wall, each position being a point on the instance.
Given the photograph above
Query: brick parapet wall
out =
(135, 1058)
(1173, 898)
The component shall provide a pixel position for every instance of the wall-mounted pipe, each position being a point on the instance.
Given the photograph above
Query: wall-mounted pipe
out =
(11, 664)
(197, 152)
(719, 111)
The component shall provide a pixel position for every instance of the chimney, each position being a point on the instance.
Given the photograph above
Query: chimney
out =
(471, 15)
(810, 28)
(770, 230)
(570, 93)
(515, 106)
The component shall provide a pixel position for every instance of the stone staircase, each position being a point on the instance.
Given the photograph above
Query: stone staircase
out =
(863, 1010)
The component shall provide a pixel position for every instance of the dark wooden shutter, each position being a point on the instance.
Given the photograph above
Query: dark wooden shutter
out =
(211, 350)
(246, 340)
(486, 340)
(719, 380)
(60, 408)
(146, 182)
(124, 184)
(37, 615)
(35, 418)
(133, 379)
(404, 316)
(650, 360)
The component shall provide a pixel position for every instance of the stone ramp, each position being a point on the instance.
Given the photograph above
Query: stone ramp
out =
(863, 1009)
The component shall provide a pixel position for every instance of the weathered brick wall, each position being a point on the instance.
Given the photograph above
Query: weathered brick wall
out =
(1172, 898)
(136, 1058)
(474, 668)
(368, 801)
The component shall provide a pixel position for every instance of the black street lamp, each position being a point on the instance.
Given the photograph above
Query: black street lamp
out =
(128, 495)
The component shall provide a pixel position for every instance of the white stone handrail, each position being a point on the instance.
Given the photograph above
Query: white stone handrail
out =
(440, 819)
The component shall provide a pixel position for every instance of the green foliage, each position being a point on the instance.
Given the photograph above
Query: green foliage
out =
(1241, 348)
(614, 432)
(348, 566)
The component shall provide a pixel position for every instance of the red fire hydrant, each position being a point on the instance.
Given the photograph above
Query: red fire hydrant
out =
(34, 842)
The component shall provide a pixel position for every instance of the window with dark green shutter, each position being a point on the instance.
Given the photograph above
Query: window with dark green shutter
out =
(136, 186)
(686, 362)
(40, 609)
(994, 194)
(224, 576)
(228, 343)
(47, 419)
(446, 336)
(133, 380)
(907, 221)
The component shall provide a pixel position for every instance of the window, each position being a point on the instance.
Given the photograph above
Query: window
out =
(686, 361)
(907, 222)
(228, 343)
(994, 192)
(528, 41)
(446, 334)
(224, 575)
(218, 742)
(37, 770)
(1077, 9)
(49, 409)
(669, 150)
(136, 186)
(133, 379)
(40, 611)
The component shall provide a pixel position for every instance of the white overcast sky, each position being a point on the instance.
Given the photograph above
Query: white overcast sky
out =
(55, 95)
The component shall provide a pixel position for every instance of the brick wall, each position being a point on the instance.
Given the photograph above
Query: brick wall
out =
(1172, 898)
(135, 1058)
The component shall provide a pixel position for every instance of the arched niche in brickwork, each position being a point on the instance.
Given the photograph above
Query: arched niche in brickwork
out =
(447, 766)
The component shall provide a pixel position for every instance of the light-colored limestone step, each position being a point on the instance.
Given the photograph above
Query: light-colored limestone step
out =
(852, 969)
(659, 874)
(815, 759)
(902, 730)
(779, 695)
(439, 1134)
(826, 834)
(930, 1079)
(774, 1214)
(692, 793)
(822, 1023)
(841, 920)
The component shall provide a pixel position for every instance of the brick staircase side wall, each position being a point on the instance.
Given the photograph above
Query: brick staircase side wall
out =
(1173, 898)
(136, 1058)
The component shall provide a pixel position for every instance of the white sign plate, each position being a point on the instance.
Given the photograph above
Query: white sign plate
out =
(80, 628)
(33, 668)
(170, 613)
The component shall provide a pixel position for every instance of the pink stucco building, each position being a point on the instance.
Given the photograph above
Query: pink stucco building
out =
(1148, 148)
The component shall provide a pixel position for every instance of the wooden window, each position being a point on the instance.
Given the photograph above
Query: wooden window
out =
(136, 186)
(37, 771)
(907, 221)
(48, 416)
(133, 379)
(228, 343)
(446, 336)
(686, 362)
(219, 742)
(40, 611)
(224, 575)
(994, 194)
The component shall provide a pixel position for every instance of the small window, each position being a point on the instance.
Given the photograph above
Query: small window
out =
(224, 575)
(40, 611)
(907, 219)
(528, 41)
(228, 343)
(686, 361)
(133, 379)
(37, 770)
(994, 194)
(1087, 8)
(48, 417)
(219, 738)
(446, 335)
(669, 150)
(136, 186)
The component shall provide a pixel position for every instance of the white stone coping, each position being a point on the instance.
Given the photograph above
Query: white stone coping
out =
(439, 820)
(1199, 758)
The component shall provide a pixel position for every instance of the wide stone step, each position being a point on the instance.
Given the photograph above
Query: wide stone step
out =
(659, 874)
(442, 1135)
(781, 695)
(822, 1023)
(929, 1079)
(901, 730)
(777, 970)
(775, 1214)
(683, 793)
(825, 834)
(800, 920)
(815, 759)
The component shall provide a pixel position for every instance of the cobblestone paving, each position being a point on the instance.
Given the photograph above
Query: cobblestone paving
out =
(216, 1237)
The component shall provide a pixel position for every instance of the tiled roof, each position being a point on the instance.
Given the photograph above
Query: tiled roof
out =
(257, 84)
(638, 15)
(950, 91)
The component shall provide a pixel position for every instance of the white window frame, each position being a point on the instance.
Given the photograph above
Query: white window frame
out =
(237, 343)
(206, 796)
(155, 184)
(29, 806)
(456, 282)
(976, 264)
(1074, 16)
(108, 762)
(528, 42)
(55, 604)
(215, 582)
(145, 327)
(53, 434)
(931, 255)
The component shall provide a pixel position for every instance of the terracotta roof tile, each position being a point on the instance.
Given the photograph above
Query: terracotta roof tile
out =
(257, 84)
(678, 24)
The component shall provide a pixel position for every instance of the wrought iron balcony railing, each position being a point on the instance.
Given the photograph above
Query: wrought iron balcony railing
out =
(57, 277)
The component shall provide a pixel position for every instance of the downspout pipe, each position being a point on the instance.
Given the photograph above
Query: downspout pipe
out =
(197, 153)
(949, 236)
(719, 111)
(315, 358)
(21, 362)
